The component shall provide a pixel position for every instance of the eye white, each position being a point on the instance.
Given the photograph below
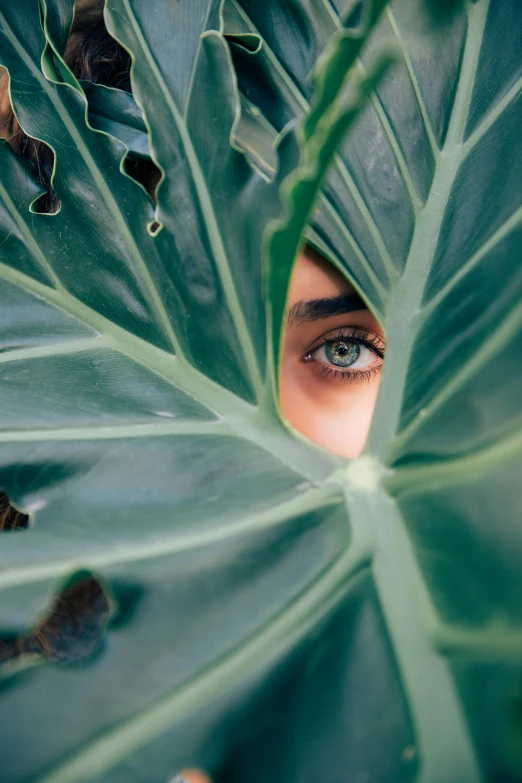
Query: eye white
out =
(365, 359)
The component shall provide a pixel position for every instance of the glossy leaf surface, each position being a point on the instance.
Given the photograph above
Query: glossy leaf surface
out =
(280, 614)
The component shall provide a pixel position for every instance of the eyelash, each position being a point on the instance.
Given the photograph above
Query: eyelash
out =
(359, 337)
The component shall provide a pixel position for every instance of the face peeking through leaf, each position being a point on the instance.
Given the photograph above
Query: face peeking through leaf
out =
(275, 590)
(332, 358)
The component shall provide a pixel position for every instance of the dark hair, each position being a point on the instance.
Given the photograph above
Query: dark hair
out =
(74, 627)
(91, 54)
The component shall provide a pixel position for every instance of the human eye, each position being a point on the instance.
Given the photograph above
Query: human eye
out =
(347, 354)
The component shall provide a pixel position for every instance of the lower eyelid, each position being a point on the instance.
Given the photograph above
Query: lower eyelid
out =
(347, 376)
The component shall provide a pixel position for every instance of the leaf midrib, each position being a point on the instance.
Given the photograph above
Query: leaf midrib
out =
(402, 331)
(509, 324)
(408, 607)
(410, 616)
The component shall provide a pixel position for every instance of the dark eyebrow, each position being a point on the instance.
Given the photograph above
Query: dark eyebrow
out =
(315, 309)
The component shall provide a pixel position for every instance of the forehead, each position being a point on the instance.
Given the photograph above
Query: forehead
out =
(314, 278)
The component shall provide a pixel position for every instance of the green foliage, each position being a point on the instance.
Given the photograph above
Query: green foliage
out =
(280, 614)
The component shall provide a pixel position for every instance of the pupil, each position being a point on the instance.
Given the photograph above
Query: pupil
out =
(342, 354)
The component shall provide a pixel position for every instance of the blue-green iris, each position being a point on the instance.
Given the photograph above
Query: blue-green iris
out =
(342, 354)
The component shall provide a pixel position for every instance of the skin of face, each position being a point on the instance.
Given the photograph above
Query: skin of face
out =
(331, 405)
(191, 776)
(5, 103)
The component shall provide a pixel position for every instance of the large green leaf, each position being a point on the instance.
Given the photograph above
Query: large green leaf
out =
(281, 614)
